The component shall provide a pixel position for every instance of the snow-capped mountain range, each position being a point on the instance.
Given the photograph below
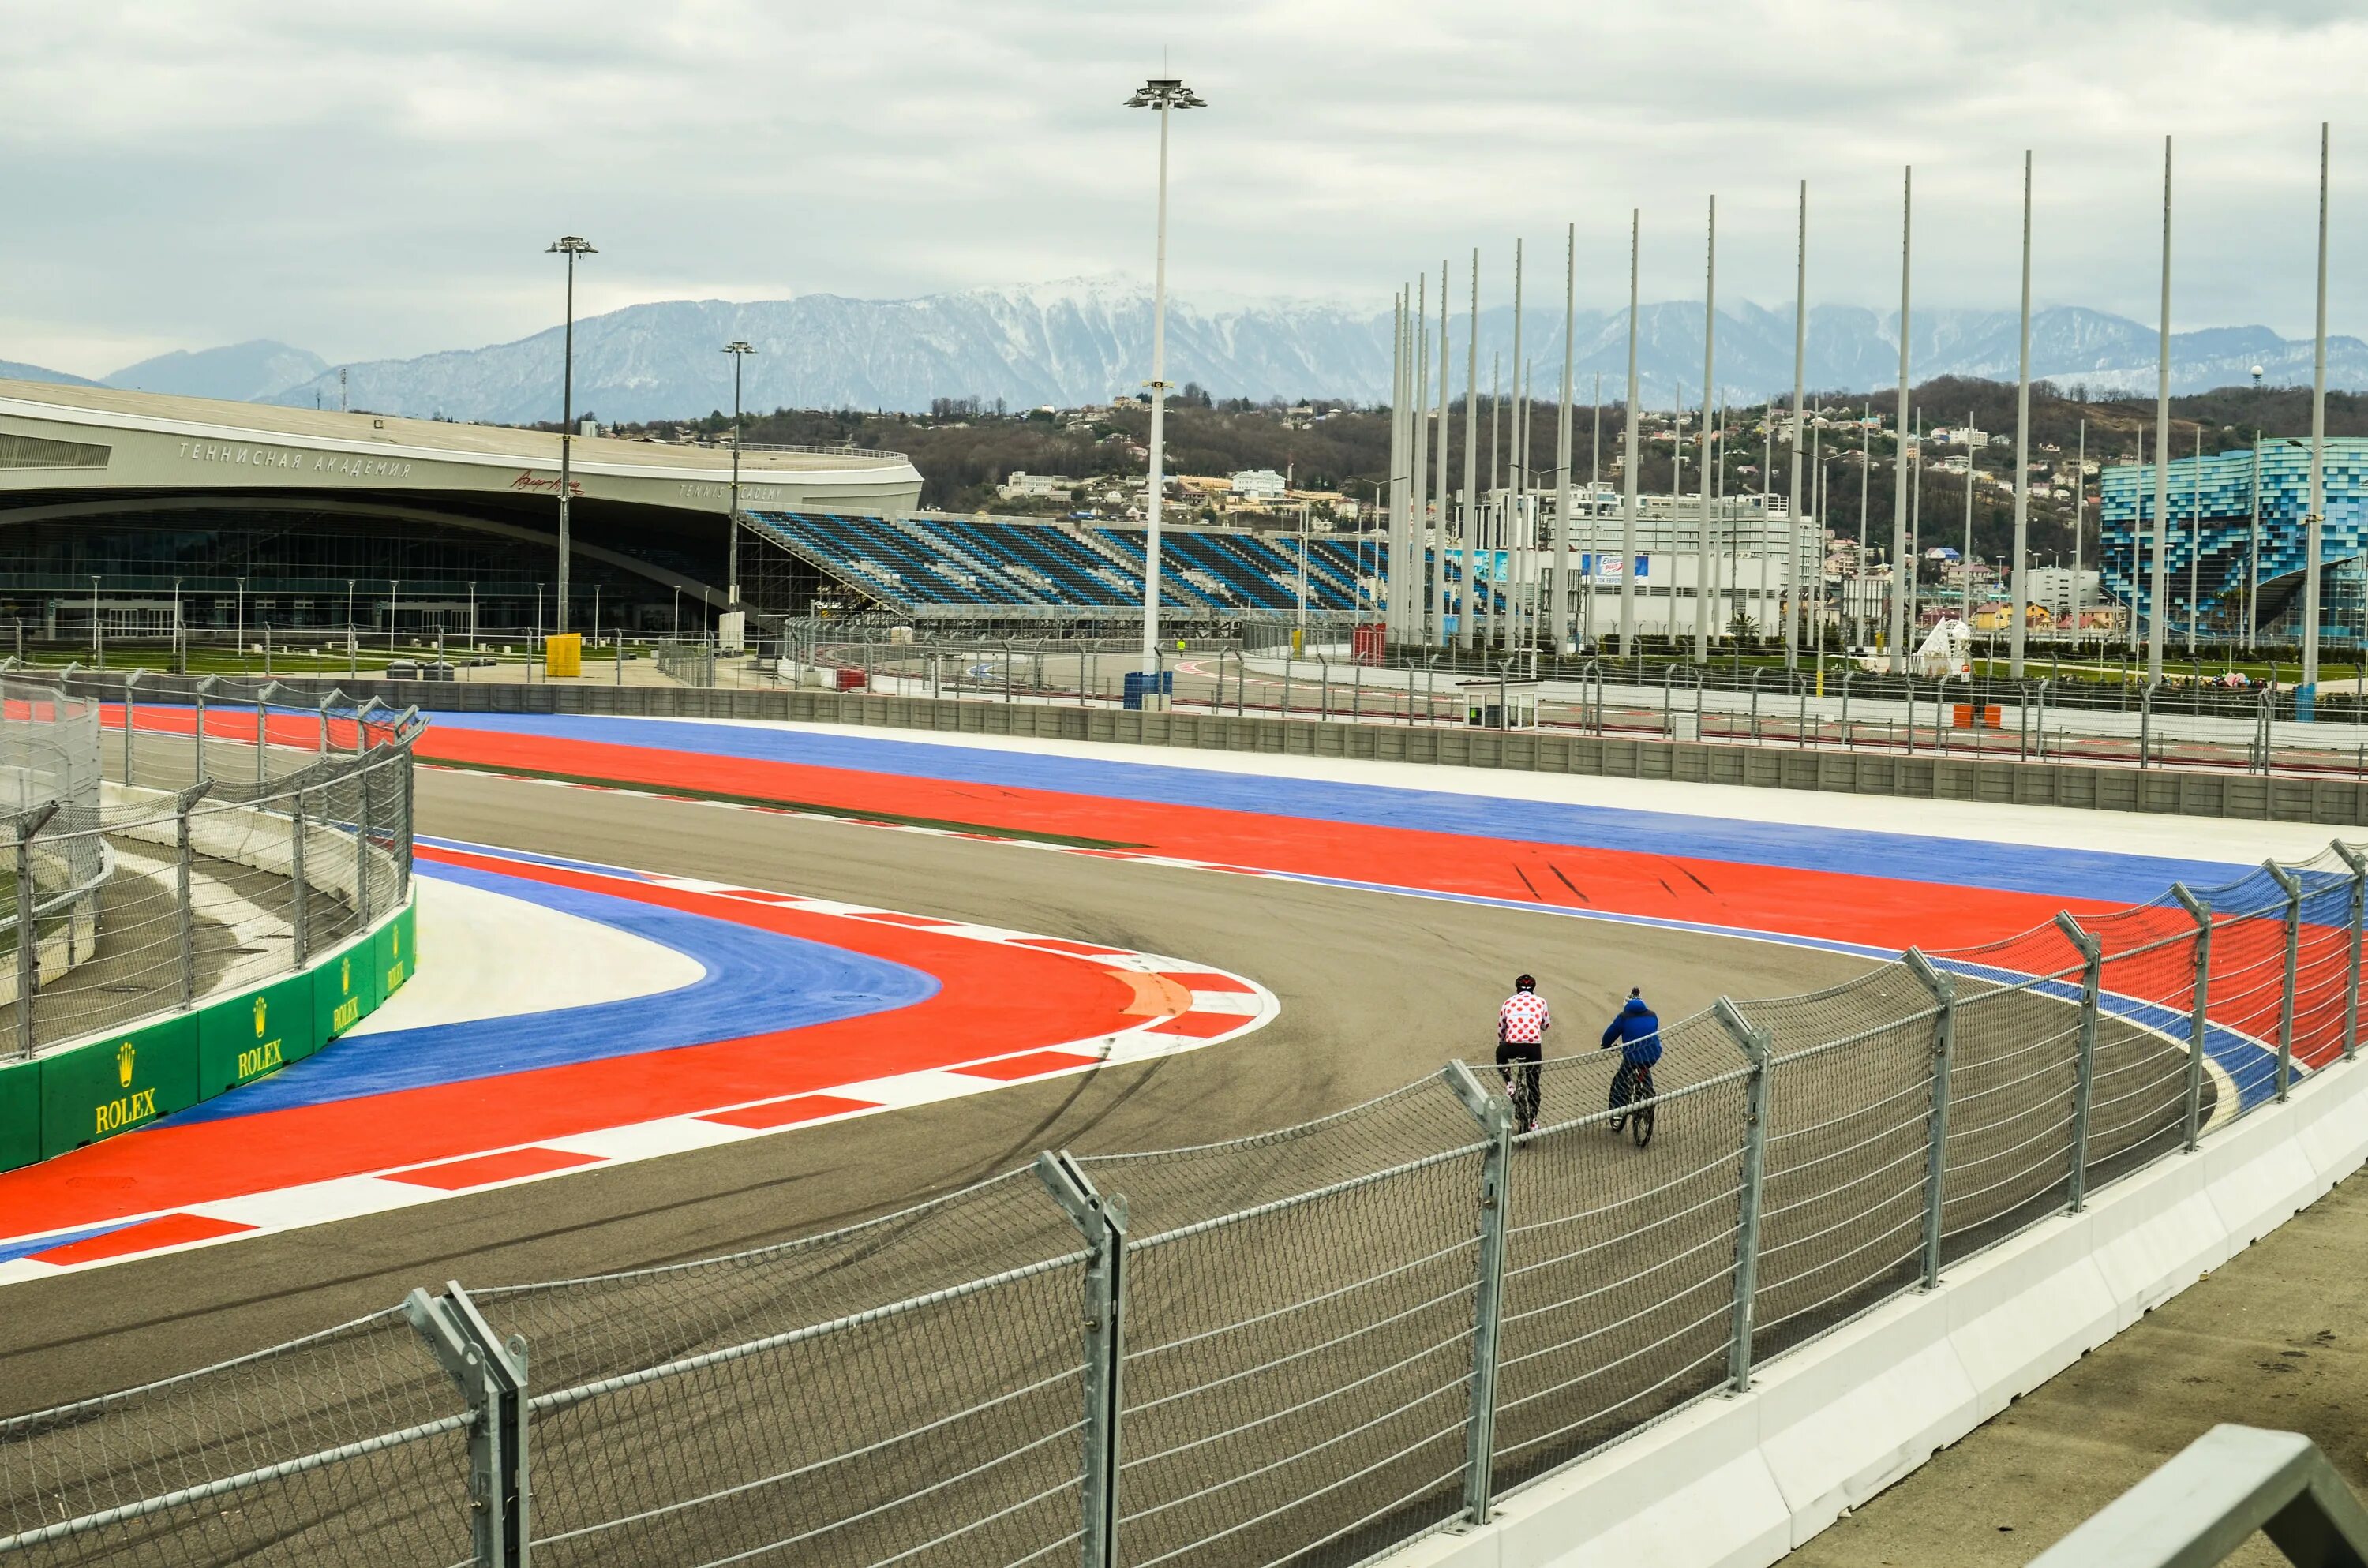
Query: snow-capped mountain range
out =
(1083, 340)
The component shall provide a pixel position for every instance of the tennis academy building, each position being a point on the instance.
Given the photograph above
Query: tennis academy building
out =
(148, 505)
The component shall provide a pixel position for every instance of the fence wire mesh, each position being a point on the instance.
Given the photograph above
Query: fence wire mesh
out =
(1312, 1408)
(346, 1446)
(1849, 1111)
(1620, 1262)
(127, 918)
(1310, 1316)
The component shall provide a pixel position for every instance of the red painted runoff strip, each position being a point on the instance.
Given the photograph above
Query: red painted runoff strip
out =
(1035, 1064)
(455, 1176)
(1834, 905)
(781, 1113)
(164, 1231)
(994, 999)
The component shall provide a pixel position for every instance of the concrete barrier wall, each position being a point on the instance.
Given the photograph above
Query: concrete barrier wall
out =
(1738, 1480)
(2164, 792)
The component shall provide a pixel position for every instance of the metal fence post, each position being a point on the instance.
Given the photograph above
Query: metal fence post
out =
(2358, 864)
(1936, 1157)
(2196, 1023)
(297, 889)
(129, 723)
(184, 912)
(2084, 1078)
(1495, 1114)
(491, 1375)
(198, 697)
(361, 845)
(2291, 885)
(1102, 1221)
(28, 926)
(1758, 1046)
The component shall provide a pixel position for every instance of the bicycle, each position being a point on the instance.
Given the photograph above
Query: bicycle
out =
(1637, 1118)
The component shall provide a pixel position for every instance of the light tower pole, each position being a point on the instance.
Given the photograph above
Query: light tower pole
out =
(2019, 571)
(1902, 569)
(1628, 461)
(571, 247)
(739, 352)
(2158, 602)
(1793, 602)
(2314, 522)
(1162, 93)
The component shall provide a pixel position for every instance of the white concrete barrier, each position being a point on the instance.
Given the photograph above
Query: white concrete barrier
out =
(1738, 1480)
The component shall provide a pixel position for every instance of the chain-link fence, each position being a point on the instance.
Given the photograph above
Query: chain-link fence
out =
(1305, 1346)
(175, 838)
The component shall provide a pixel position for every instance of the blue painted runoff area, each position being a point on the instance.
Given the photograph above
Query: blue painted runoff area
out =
(755, 981)
(2006, 868)
(14, 1247)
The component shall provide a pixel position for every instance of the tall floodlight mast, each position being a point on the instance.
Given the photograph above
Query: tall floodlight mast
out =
(739, 352)
(1793, 598)
(1163, 94)
(1901, 567)
(1702, 584)
(1440, 488)
(2019, 611)
(1628, 505)
(2314, 522)
(1467, 609)
(2159, 601)
(1559, 622)
(571, 247)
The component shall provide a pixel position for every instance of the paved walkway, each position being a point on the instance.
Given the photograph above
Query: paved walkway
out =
(2277, 1338)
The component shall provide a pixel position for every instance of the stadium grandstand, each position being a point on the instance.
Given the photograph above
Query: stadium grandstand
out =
(146, 512)
(139, 509)
(923, 566)
(2211, 540)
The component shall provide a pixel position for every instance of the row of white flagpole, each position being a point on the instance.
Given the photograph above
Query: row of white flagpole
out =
(1469, 527)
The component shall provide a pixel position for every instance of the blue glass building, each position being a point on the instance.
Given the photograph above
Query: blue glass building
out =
(2221, 489)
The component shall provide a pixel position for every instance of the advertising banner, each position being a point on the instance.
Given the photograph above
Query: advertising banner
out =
(20, 1114)
(342, 990)
(253, 1037)
(394, 957)
(114, 1085)
(1609, 568)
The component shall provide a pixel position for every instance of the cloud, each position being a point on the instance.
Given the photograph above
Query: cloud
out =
(382, 181)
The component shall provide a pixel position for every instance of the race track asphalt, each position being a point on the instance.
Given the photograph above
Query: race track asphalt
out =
(1376, 991)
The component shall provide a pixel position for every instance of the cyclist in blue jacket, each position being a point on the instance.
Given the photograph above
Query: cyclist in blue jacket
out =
(1637, 1031)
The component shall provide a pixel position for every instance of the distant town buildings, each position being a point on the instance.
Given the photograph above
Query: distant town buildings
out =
(1036, 488)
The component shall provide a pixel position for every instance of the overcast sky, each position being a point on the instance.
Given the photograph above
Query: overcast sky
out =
(380, 180)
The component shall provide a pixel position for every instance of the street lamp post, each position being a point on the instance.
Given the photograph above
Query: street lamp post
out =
(239, 647)
(739, 352)
(1163, 94)
(571, 247)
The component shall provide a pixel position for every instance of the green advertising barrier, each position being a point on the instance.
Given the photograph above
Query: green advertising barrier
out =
(20, 1114)
(396, 954)
(341, 989)
(60, 1101)
(116, 1083)
(253, 1036)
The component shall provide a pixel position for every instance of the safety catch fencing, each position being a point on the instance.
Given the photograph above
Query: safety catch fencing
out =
(1305, 1345)
(178, 837)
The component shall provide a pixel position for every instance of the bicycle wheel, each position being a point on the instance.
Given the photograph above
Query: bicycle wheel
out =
(1640, 1124)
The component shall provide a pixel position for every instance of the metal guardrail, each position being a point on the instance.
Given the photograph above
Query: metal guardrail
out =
(2214, 1497)
(1310, 1343)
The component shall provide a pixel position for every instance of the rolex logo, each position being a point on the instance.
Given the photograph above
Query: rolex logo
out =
(262, 1011)
(346, 974)
(123, 1065)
